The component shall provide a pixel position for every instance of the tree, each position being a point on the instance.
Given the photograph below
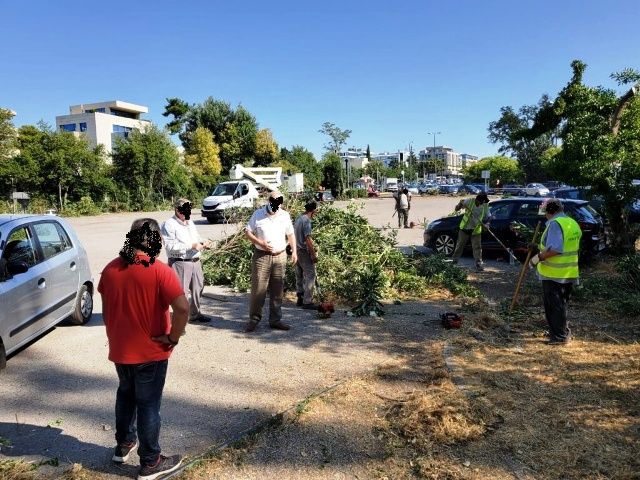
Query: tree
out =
(266, 148)
(203, 157)
(59, 165)
(7, 135)
(375, 169)
(178, 109)
(302, 160)
(600, 135)
(233, 130)
(503, 170)
(147, 165)
(333, 173)
(368, 153)
(508, 131)
(338, 137)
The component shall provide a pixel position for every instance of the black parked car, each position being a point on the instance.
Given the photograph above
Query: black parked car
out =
(324, 196)
(597, 202)
(441, 235)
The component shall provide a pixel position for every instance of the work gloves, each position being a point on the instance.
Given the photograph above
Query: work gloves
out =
(534, 261)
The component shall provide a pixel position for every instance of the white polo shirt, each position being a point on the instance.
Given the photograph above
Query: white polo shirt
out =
(272, 228)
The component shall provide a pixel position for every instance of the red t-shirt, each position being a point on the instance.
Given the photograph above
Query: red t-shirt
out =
(135, 307)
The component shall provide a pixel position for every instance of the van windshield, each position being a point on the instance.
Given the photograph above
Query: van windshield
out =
(224, 189)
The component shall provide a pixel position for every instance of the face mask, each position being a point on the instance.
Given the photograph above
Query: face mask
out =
(185, 210)
(274, 204)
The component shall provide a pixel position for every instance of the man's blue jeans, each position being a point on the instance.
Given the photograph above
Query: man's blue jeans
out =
(139, 396)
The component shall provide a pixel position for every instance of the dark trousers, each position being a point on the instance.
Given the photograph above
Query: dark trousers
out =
(138, 398)
(403, 217)
(556, 295)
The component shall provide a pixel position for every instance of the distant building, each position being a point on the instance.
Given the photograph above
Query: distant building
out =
(451, 161)
(467, 159)
(355, 157)
(400, 158)
(103, 122)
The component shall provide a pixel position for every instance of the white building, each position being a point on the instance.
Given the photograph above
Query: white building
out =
(103, 122)
(354, 157)
(467, 159)
(451, 160)
(400, 158)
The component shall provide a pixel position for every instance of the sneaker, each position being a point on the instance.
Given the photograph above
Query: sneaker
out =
(280, 326)
(123, 451)
(299, 303)
(557, 341)
(310, 306)
(163, 466)
(479, 267)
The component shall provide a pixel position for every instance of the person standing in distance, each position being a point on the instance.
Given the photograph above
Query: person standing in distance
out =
(269, 229)
(184, 246)
(476, 215)
(404, 204)
(557, 268)
(307, 258)
(137, 290)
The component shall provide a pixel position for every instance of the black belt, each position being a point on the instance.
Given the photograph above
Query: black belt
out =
(196, 259)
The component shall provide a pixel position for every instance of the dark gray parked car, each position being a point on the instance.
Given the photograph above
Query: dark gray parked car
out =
(44, 279)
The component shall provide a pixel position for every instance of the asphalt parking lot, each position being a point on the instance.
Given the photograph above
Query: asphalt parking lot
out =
(58, 394)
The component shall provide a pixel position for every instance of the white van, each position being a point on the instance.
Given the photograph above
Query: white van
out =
(227, 196)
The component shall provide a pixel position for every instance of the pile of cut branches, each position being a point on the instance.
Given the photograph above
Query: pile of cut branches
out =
(357, 264)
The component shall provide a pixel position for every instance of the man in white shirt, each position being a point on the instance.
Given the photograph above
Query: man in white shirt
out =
(184, 246)
(269, 229)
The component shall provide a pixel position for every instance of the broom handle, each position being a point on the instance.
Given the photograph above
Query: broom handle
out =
(524, 269)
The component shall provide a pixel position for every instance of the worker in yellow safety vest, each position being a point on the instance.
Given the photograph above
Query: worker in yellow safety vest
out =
(476, 214)
(557, 268)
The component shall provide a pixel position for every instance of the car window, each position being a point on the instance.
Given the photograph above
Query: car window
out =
(529, 210)
(52, 237)
(580, 214)
(20, 247)
(500, 211)
(572, 194)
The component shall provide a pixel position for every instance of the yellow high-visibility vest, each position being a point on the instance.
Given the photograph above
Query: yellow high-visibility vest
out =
(467, 214)
(565, 265)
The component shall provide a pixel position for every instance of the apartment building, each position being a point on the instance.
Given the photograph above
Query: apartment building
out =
(103, 122)
(354, 157)
(400, 158)
(451, 161)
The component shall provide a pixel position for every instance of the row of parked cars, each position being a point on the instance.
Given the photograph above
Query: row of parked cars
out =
(44, 279)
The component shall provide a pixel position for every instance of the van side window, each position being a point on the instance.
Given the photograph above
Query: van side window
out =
(20, 247)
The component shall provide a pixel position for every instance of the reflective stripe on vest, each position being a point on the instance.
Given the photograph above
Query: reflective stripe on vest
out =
(467, 216)
(565, 265)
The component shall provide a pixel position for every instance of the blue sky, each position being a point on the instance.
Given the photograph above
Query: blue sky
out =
(390, 71)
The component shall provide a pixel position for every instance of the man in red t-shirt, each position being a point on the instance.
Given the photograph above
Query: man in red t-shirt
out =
(137, 291)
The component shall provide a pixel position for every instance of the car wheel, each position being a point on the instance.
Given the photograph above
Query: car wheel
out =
(211, 220)
(537, 194)
(3, 356)
(445, 244)
(84, 306)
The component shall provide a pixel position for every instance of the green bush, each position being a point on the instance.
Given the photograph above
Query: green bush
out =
(438, 271)
(84, 206)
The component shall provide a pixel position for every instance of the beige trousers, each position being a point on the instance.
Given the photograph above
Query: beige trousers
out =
(267, 274)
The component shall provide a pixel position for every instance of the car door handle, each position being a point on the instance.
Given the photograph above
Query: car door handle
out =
(73, 266)
(42, 283)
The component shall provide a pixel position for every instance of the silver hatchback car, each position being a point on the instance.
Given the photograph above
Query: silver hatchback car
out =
(44, 279)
